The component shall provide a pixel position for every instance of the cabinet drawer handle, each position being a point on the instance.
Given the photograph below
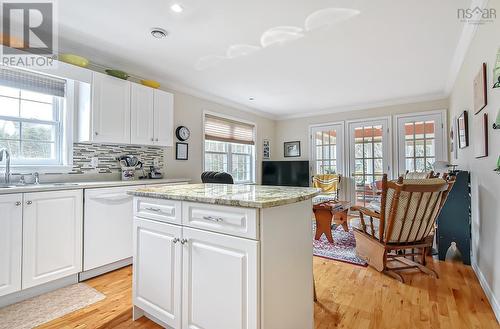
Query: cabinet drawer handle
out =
(213, 219)
(153, 209)
(18, 203)
(29, 202)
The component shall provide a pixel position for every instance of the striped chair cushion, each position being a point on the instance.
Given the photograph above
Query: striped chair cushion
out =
(414, 223)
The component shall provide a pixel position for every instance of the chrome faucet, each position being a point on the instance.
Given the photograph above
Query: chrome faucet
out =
(7, 164)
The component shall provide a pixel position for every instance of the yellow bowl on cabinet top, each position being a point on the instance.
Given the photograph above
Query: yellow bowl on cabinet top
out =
(74, 60)
(151, 83)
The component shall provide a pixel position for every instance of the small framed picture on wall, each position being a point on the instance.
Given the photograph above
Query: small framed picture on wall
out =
(181, 151)
(292, 149)
(463, 130)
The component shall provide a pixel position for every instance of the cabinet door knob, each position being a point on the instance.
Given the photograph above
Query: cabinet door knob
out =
(183, 241)
(96, 133)
(156, 139)
(152, 139)
(29, 202)
(18, 203)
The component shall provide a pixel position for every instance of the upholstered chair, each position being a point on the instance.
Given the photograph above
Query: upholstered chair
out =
(409, 208)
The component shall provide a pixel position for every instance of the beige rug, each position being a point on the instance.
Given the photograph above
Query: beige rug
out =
(44, 308)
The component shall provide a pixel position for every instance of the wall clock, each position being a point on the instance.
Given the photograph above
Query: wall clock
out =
(182, 133)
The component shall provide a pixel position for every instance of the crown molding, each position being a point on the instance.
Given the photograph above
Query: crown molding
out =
(367, 106)
(463, 45)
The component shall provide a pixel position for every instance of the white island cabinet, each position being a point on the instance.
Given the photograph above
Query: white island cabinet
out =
(214, 256)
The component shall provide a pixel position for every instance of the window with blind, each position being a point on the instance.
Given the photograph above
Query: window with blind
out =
(31, 117)
(230, 147)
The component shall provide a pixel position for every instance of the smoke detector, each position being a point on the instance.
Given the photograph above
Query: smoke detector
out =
(159, 33)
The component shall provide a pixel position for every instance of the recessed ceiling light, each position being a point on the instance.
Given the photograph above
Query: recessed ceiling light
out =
(251, 98)
(176, 8)
(159, 33)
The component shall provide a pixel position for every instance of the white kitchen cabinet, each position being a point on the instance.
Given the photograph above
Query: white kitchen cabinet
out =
(157, 280)
(219, 277)
(11, 225)
(163, 118)
(110, 111)
(52, 236)
(107, 235)
(142, 108)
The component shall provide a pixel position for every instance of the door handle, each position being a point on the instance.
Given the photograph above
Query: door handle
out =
(184, 241)
(213, 219)
(18, 203)
(175, 240)
(29, 202)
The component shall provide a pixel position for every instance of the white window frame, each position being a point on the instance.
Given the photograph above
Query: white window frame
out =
(387, 153)
(398, 137)
(65, 111)
(229, 153)
(339, 127)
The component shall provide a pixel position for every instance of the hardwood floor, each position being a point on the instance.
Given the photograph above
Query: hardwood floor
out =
(349, 296)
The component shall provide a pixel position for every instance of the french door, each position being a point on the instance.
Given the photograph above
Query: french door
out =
(368, 159)
(420, 142)
(327, 149)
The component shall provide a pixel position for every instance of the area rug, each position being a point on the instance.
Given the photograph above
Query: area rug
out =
(44, 308)
(342, 249)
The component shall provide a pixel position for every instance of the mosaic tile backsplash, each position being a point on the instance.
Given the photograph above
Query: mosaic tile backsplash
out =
(107, 154)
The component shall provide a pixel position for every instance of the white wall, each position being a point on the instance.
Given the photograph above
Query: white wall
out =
(485, 183)
(298, 129)
(188, 111)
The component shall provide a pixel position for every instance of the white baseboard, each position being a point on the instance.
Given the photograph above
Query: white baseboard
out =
(487, 290)
(104, 269)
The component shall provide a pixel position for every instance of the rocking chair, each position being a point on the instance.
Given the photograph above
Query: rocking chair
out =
(409, 208)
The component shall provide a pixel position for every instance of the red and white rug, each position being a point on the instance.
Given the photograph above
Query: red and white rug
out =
(342, 249)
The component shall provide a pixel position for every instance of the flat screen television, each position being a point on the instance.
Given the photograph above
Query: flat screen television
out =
(285, 173)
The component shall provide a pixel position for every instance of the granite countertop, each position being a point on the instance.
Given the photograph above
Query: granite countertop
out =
(84, 185)
(249, 196)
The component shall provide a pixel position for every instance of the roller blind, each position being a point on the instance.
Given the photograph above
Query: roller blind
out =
(226, 130)
(26, 80)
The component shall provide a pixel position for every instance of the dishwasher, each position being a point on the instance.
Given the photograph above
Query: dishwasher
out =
(107, 229)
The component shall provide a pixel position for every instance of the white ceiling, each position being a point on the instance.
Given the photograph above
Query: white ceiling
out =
(377, 51)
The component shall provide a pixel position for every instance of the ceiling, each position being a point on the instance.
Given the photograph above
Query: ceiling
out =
(292, 56)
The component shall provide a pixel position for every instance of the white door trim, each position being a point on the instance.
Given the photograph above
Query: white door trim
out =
(388, 149)
(395, 137)
(342, 152)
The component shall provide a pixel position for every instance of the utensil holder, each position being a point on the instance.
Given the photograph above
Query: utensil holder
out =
(128, 173)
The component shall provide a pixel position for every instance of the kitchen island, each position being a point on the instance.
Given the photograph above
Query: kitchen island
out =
(216, 256)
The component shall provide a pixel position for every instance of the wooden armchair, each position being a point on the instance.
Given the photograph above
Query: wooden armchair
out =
(409, 209)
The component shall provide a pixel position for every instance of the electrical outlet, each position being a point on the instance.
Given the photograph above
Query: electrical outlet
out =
(156, 162)
(94, 162)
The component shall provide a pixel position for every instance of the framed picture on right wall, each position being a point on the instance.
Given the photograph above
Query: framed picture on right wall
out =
(463, 130)
(481, 135)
